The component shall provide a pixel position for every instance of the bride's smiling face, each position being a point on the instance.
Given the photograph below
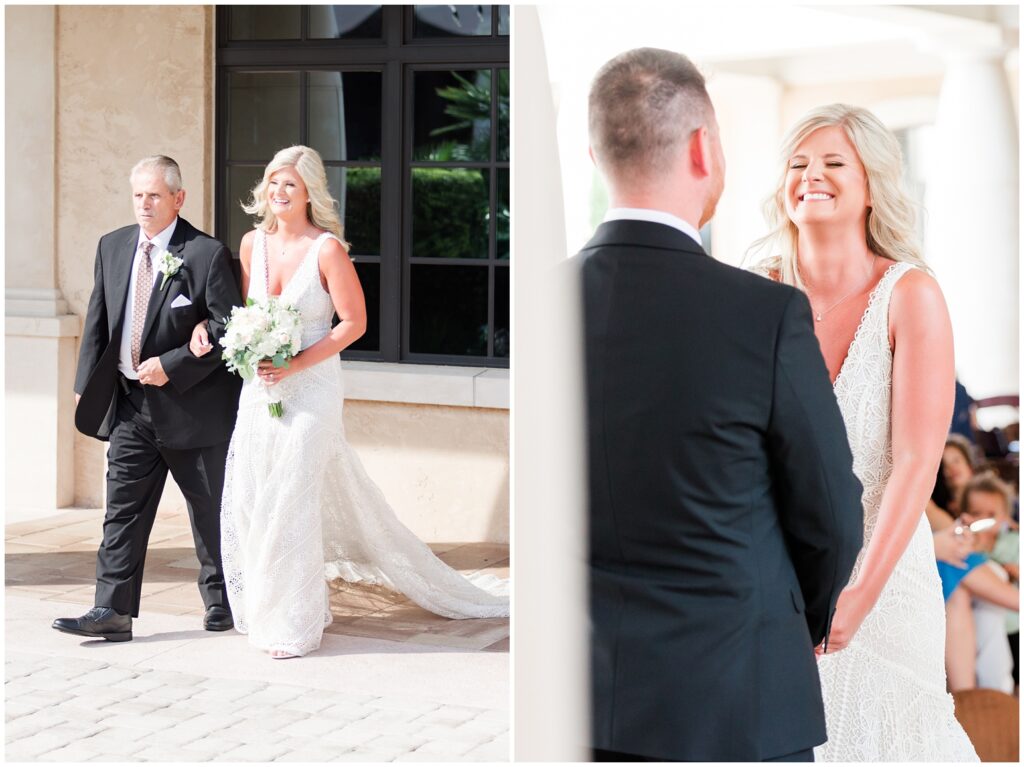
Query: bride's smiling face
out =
(286, 193)
(826, 181)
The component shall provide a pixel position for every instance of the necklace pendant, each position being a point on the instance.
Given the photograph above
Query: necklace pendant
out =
(817, 317)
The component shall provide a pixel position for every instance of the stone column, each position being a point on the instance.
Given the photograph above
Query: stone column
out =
(550, 533)
(972, 233)
(40, 335)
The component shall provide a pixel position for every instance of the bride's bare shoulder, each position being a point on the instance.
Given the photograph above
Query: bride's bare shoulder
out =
(333, 248)
(917, 298)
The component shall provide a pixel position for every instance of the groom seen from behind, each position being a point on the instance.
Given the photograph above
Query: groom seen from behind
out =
(724, 515)
(161, 408)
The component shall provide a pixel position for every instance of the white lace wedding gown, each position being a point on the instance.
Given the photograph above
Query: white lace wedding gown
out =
(885, 694)
(299, 509)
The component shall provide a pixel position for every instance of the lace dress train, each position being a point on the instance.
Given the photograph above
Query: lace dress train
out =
(299, 509)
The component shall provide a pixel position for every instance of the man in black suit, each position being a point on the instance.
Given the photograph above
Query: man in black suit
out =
(161, 408)
(725, 518)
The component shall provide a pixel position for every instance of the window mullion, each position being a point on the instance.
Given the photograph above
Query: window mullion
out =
(405, 306)
(392, 210)
(304, 107)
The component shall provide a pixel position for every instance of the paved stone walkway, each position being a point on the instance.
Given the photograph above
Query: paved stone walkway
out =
(71, 709)
(390, 682)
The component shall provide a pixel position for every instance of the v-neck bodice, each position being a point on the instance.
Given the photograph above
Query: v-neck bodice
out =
(864, 316)
(863, 388)
(302, 291)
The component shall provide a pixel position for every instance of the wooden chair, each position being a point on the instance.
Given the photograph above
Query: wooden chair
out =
(990, 718)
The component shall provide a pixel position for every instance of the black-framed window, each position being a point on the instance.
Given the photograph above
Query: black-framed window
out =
(409, 108)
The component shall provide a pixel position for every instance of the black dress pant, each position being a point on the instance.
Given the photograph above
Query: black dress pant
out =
(137, 466)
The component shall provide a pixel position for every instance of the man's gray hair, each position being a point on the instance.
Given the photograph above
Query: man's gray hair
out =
(162, 164)
(643, 104)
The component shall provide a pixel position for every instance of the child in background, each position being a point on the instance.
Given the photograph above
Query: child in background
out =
(987, 497)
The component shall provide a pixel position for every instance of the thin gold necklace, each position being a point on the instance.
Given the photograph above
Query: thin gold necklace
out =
(819, 316)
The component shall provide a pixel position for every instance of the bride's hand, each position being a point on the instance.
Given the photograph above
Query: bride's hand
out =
(271, 375)
(852, 608)
(200, 341)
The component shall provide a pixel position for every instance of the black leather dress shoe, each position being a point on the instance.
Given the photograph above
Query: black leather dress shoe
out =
(218, 618)
(99, 622)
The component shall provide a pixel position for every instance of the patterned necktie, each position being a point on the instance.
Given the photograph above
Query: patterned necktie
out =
(143, 287)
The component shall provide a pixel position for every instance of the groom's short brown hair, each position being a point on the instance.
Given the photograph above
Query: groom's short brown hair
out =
(643, 103)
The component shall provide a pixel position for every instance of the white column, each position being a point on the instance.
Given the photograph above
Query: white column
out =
(972, 232)
(40, 335)
(550, 620)
(751, 160)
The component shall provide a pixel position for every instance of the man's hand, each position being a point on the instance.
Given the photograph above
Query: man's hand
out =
(151, 372)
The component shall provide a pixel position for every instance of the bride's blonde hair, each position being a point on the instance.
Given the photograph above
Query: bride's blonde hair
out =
(322, 209)
(890, 228)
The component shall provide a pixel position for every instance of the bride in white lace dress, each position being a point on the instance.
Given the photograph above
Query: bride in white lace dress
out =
(845, 231)
(298, 508)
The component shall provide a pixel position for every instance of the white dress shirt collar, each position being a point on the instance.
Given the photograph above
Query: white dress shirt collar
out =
(656, 217)
(160, 240)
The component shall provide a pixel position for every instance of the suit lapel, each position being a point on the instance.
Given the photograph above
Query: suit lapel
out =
(158, 296)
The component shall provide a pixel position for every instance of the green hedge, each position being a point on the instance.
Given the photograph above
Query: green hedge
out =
(449, 213)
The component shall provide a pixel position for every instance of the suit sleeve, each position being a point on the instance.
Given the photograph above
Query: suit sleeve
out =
(182, 367)
(819, 498)
(95, 333)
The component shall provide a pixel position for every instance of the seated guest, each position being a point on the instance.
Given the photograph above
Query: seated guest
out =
(958, 466)
(955, 558)
(996, 604)
(976, 653)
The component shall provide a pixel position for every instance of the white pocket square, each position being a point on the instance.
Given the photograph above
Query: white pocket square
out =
(180, 301)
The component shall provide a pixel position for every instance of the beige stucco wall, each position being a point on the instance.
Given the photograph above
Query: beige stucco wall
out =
(444, 470)
(132, 82)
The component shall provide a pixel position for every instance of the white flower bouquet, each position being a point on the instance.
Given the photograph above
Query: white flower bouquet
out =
(262, 330)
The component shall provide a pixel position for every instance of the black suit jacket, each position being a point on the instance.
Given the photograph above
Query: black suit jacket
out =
(724, 514)
(197, 406)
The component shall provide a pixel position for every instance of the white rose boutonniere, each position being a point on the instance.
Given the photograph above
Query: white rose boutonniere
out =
(168, 264)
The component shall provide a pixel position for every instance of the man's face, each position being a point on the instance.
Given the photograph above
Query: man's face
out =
(155, 205)
(717, 179)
